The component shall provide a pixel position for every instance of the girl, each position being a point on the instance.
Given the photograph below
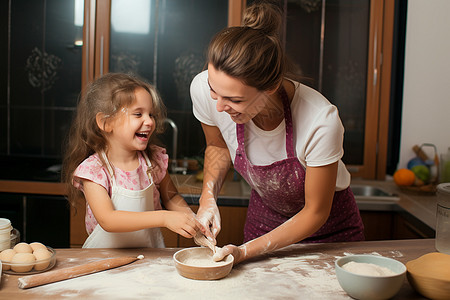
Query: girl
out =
(112, 161)
(283, 137)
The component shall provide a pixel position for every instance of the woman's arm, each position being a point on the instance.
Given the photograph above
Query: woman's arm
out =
(111, 220)
(320, 185)
(216, 165)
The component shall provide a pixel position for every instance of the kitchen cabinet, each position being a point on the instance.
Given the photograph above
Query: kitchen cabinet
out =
(39, 218)
(393, 225)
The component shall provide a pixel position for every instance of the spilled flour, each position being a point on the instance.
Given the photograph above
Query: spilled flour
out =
(291, 277)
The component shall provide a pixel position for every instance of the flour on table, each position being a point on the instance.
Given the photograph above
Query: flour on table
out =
(302, 275)
(367, 269)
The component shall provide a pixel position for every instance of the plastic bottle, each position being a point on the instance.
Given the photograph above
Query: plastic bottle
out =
(443, 218)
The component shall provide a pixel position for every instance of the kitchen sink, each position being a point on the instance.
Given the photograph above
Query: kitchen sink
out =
(369, 192)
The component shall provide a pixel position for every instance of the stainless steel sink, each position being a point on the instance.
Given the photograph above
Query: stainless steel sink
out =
(369, 192)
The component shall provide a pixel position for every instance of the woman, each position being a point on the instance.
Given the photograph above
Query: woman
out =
(283, 137)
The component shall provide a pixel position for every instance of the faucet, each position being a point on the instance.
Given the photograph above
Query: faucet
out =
(174, 165)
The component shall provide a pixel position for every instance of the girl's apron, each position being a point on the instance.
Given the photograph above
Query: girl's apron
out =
(278, 193)
(127, 200)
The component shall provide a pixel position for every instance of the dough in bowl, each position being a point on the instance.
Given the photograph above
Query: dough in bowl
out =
(430, 275)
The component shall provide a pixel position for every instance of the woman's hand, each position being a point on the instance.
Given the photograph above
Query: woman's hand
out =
(209, 216)
(237, 252)
(183, 223)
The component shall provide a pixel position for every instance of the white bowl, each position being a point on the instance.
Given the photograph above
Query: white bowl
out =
(367, 286)
(197, 263)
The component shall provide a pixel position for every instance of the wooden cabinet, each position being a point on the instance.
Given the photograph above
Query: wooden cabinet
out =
(393, 225)
(38, 218)
(233, 220)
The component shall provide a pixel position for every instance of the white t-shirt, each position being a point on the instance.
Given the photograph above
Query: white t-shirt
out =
(318, 131)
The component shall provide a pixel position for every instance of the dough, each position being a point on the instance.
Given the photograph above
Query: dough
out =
(42, 254)
(6, 256)
(23, 248)
(434, 265)
(203, 261)
(36, 245)
(367, 269)
(22, 262)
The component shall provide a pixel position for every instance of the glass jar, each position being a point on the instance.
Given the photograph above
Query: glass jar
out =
(443, 218)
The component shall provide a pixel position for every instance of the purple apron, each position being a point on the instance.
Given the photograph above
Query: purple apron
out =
(278, 194)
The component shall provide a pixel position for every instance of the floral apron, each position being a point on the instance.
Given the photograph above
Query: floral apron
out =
(128, 200)
(278, 193)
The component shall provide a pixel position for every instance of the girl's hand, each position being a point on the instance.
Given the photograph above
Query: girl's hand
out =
(183, 223)
(237, 252)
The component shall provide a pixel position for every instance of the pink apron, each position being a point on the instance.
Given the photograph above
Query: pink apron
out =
(278, 194)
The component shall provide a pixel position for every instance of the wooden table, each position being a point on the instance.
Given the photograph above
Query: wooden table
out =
(304, 271)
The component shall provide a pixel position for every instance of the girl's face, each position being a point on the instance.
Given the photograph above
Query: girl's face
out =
(134, 124)
(240, 101)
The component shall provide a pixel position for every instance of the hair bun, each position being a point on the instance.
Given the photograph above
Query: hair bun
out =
(263, 16)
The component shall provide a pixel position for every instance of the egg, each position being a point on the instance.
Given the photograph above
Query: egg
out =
(22, 262)
(44, 256)
(6, 256)
(23, 248)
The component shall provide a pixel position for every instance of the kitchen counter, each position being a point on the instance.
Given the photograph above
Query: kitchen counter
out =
(302, 271)
(236, 193)
(420, 205)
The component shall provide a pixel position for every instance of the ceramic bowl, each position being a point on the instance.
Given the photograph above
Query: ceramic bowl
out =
(197, 263)
(367, 286)
(37, 267)
(429, 275)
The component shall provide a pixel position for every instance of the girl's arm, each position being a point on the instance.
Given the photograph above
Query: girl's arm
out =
(320, 185)
(111, 220)
(216, 165)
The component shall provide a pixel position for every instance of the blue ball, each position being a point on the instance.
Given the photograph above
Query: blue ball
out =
(415, 162)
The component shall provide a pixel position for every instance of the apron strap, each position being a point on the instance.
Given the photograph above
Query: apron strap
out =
(109, 167)
(290, 150)
(111, 173)
(149, 167)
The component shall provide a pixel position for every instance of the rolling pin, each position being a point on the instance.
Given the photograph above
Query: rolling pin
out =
(73, 272)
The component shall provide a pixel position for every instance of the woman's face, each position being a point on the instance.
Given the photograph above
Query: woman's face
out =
(240, 101)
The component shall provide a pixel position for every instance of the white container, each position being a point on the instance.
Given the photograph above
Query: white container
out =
(5, 233)
(443, 218)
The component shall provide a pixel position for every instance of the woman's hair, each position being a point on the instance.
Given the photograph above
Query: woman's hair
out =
(107, 95)
(252, 52)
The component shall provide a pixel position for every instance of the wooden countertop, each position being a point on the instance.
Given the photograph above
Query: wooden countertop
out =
(303, 271)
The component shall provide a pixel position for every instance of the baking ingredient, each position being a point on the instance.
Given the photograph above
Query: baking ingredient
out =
(206, 261)
(22, 262)
(36, 245)
(6, 256)
(42, 255)
(430, 275)
(23, 248)
(404, 177)
(367, 269)
(434, 265)
(422, 172)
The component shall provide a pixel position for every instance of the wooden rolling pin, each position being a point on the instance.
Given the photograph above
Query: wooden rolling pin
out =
(73, 272)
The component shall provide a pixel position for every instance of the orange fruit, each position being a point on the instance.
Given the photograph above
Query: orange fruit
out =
(404, 177)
